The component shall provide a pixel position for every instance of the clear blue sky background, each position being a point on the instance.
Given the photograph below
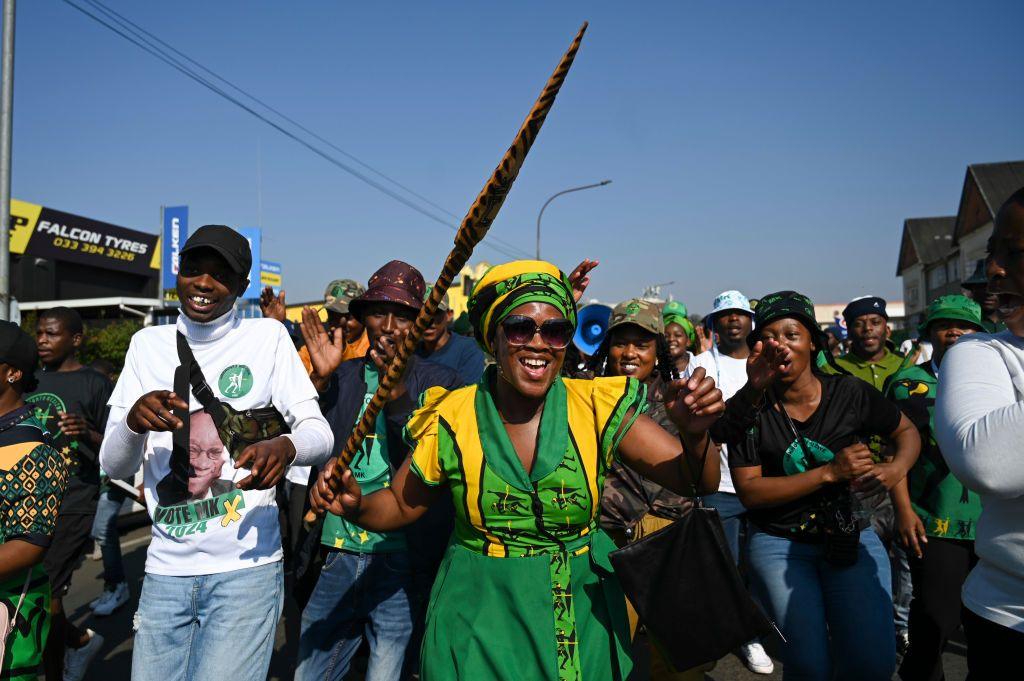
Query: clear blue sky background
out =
(753, 145)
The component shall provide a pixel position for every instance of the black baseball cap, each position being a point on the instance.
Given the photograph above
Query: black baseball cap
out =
(227, 242)
(17, 349)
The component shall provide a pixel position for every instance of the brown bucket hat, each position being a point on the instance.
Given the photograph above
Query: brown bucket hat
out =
(397, 282)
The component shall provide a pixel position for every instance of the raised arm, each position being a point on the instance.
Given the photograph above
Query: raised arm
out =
(693, 404)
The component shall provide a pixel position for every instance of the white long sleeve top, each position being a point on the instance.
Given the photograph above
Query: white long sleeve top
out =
(249, 363)
(979, 425)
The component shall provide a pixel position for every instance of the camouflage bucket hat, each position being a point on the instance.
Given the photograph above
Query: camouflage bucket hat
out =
(340, 293)
(641, 313)
(955, 307)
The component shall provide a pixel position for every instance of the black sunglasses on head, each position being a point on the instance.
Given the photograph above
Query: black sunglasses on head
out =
(520, 330)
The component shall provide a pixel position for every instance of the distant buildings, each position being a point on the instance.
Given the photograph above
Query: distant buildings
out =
(937, 253)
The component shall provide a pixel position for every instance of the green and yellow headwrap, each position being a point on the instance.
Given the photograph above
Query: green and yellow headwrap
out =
(674, 312)
(505, 287)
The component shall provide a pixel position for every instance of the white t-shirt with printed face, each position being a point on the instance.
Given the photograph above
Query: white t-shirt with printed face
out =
(730, 375)
(215, 527)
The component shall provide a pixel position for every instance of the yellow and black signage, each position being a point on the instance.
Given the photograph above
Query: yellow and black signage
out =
(48, 233)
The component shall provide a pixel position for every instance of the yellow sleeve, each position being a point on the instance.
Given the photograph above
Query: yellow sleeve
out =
(618, 403)
(421, 434)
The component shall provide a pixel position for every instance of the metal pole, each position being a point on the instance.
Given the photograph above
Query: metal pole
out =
(6, 116)
(564, 191)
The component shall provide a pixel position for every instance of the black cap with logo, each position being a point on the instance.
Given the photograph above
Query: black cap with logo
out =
(227, 242)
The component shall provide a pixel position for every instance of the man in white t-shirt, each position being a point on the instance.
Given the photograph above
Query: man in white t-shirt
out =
(731, 320)
(213, 589)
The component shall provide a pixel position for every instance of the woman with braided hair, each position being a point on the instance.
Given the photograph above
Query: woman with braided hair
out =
(526, 590)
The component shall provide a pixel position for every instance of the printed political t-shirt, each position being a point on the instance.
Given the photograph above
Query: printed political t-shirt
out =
(372, 470)
(84, 392)
(850, 411)
(213, 526)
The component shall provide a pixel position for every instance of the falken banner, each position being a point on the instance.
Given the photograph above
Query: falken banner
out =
(175, 219)
(55, 235)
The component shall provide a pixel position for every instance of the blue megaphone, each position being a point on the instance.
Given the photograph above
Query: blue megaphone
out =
(591, 327)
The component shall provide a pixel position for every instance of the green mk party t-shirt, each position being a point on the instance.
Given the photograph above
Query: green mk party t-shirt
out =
(371, 470)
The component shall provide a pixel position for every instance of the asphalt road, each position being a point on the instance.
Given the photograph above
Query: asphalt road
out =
(115, 657)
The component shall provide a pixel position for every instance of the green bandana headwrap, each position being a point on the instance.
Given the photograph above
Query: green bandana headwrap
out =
(674, 312)
(506, 287)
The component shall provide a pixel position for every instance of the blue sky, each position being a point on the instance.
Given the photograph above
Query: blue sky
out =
(751, 145)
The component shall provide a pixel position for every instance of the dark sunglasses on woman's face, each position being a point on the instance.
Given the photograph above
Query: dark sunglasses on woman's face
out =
(520, 330)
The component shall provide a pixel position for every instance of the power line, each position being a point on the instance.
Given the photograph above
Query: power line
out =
(141, 42)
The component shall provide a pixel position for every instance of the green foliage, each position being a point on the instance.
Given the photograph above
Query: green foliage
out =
(109, 342)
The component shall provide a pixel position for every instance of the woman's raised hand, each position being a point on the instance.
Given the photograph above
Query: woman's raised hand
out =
(767, 361)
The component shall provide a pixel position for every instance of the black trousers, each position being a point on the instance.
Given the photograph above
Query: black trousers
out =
(993, 651)
(935, 608)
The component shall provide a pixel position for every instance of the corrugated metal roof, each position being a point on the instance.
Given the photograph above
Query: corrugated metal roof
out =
(997, 181)
(932, 238)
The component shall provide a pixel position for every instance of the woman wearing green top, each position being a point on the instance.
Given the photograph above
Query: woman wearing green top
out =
(526, 590)
(33, 477)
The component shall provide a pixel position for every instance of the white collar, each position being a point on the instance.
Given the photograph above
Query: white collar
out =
(208, 331)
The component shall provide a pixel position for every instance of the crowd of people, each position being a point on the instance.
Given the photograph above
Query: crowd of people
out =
(869, 497)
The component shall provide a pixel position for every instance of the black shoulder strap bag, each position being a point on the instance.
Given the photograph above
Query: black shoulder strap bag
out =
(686, 588)
(236, 429)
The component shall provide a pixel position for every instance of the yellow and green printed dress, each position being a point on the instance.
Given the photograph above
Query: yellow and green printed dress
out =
(526, 590)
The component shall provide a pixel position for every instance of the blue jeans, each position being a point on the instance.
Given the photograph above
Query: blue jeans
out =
(219, 626)
(837, 620)
(733, 516)
(104, 531)
(357, 595)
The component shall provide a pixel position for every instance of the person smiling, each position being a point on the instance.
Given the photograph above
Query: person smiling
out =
(631, 505)
(870, 359)
(797, 457)
(213, 589)
(680, 335)
(979, 425)
(526, 590)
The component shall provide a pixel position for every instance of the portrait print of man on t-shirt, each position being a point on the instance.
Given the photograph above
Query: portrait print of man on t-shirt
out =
(206, 458)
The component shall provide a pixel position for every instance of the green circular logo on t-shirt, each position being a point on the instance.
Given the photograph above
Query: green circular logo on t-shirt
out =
(235, 381)
(795, 460)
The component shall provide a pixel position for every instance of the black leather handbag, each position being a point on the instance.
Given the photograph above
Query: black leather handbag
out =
(687, 591)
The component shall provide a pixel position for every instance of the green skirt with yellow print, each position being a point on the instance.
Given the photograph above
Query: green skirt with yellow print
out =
(492, 618)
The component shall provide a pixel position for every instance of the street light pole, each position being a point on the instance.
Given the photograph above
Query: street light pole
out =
(555, 196)
(6, 115)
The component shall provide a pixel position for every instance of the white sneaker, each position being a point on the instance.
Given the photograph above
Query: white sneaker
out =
(110, 600)
(755, 658)
(97, 552)
(76, 660)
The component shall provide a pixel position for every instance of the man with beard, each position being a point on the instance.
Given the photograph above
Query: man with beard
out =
(977, 289)
(372, 585)
(870, 358)
(731, 321)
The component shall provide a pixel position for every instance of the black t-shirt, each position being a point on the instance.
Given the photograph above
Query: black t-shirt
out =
(850, 411)
(84, 392)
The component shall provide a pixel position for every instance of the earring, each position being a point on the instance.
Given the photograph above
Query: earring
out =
(10, 379)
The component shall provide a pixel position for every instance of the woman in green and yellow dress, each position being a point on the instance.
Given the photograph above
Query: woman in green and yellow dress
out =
(526, 590)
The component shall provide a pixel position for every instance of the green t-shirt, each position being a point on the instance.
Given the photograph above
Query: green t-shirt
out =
(873, 373)
(947, 508)
(371, 470)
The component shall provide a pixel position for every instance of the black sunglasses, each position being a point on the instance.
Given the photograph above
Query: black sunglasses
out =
(520, 330)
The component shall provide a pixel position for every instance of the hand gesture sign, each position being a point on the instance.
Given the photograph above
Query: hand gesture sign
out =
(267, 462)
(325, 351)
(580, 278)
(345, 502)
(272, 306)
(694, 403)
(153, 412)
(768, 361)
